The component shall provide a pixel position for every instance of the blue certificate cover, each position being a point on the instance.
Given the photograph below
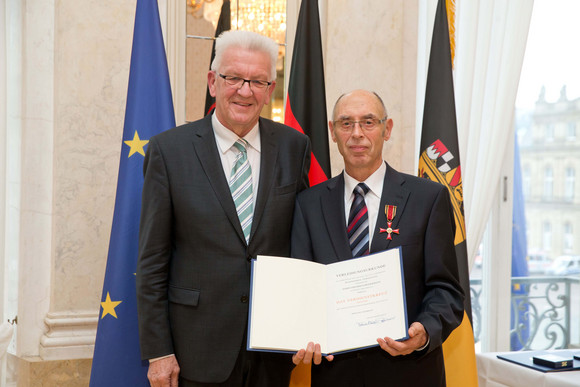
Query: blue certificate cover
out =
(525, 358)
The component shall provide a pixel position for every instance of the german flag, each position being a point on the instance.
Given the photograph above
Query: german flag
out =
(306, 99)
(439, 161)
(306, 111)
(224, 24)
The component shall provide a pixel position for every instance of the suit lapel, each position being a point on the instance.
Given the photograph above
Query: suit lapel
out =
(207, 153)
(393, 194)
(333, 210)
(268, 162)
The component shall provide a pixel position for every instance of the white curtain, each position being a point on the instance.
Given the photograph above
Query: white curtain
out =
(491, 38)
(6, 330)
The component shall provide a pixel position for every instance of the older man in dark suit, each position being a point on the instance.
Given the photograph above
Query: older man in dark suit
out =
(370, 207)
(217, 192)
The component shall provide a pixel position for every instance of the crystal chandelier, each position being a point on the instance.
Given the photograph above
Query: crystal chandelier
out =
(267, 17)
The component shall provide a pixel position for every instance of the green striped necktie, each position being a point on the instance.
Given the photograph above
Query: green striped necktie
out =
(241, 187)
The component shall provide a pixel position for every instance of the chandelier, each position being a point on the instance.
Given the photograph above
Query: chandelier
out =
(267, 17)
(195, 5)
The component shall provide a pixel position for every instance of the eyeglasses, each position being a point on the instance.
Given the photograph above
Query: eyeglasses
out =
(239, 82)
(366, 124)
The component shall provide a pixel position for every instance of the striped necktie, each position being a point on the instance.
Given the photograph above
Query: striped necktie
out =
(358, 222)
(241, 187)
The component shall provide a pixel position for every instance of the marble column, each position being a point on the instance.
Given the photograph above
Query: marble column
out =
(75, 66)
(373, 45)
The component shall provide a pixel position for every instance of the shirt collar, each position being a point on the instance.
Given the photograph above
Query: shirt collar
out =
(226, 138)
(374, 182)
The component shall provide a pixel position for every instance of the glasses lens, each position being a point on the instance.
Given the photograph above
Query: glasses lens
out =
(259, 84)
(345, 125)
(369, 123)
(231, 81)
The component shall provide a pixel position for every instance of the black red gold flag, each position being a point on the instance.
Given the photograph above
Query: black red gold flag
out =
(306, 99)
(306, 111)
(224, 24)
(439, 161)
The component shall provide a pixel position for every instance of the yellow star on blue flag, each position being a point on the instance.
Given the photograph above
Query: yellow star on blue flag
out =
(109, 306)
(136, 145)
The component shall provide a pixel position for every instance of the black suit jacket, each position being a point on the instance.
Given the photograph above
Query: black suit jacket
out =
(434, 295)
(193, 272)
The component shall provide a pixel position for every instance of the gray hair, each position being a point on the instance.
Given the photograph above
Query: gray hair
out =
(372, 92)
(247, 40)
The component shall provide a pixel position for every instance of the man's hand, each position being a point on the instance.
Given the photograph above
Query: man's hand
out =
(164, 372)
(417, 338)
(312, 353)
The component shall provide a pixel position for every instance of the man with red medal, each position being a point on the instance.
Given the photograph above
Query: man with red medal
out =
(369, 208)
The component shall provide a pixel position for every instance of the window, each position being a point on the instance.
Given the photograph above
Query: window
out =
(548, 183)
(528, 232)
(549, 133)
(569, 184)
(526, 185)
(547, 236)
(543, 114)
(568, 238)
(571, 131)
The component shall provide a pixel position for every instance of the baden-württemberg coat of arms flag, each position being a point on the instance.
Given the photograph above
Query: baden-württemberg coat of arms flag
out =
(117, 360)
(439, 161)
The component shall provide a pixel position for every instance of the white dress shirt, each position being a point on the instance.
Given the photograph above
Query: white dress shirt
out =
(225, 140)
(375, 183)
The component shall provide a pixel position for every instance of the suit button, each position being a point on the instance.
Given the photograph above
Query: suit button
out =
(244, 299)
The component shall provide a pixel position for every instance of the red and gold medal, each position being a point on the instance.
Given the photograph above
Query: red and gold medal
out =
(390, 212)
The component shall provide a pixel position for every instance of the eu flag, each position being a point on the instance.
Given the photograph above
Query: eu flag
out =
(149, 110)
(520, 324)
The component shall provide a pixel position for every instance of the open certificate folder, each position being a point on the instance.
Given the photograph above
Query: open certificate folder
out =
(342, 306)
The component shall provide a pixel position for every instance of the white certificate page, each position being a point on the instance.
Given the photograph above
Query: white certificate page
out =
(342, 306)
(365, 301)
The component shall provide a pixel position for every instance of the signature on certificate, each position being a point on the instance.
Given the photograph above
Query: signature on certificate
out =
(374, 321)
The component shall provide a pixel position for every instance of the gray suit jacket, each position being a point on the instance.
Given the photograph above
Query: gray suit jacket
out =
(193, 272)
(434, 296)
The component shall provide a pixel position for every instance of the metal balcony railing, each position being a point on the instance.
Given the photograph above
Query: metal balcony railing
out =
(545, 312)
